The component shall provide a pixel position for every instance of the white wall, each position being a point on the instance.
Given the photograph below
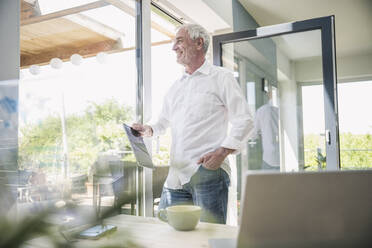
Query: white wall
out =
(223, 9)
(289, 114)
(357, 67)
(289, 127)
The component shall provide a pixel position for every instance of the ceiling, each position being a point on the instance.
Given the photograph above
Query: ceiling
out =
(300, 46)
(195, 11)
(353, 19)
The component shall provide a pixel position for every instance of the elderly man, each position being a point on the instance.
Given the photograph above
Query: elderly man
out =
(198, 108)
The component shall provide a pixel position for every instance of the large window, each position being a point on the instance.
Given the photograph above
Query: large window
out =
(78, 85)
(354, 101)
(77, 88)
(355, 126)
(165, 70)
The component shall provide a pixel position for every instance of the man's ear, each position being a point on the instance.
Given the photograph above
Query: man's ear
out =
(200, 43)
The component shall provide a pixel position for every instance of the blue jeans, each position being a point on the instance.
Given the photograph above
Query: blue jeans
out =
(207, 189)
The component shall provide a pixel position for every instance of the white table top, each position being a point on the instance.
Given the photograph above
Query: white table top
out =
(151, 232)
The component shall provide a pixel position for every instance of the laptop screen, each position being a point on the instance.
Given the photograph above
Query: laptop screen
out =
(139, 148)
(307, 209)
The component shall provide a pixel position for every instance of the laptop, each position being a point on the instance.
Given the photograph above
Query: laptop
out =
(138, 147)
(305, 209)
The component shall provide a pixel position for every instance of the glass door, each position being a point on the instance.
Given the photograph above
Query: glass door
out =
(296, 127)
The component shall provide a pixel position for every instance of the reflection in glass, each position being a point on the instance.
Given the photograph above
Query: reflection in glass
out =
(275, 74)
(267, 129)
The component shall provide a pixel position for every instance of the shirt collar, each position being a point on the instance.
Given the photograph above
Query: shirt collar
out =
(205, 69)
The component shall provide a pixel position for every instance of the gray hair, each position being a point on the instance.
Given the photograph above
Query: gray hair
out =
(196, 31)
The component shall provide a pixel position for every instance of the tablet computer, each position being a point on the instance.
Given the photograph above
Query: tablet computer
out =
(139, 148)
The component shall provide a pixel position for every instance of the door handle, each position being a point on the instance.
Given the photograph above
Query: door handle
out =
(328, 136)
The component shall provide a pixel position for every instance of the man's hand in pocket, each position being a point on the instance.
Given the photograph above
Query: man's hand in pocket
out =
(213, 160)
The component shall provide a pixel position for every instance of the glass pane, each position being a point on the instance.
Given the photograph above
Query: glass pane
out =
(163, 76)
(71, 110)
(354, 100)
(281, 77)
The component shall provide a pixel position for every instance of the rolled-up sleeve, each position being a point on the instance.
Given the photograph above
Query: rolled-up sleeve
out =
(239, 117)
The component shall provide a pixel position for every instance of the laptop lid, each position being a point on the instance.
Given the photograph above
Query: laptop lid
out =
(307, 209)
(139, 148)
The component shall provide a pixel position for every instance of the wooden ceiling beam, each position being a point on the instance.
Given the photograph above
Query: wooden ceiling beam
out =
(86, 51)
(65, 12)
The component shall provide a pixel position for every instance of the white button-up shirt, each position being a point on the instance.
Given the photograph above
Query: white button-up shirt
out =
(198, 108)
(266, 124)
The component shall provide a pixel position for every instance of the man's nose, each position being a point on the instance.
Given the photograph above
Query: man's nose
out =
(174, 48)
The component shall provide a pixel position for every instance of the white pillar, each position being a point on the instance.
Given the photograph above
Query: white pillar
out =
(147, 100)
